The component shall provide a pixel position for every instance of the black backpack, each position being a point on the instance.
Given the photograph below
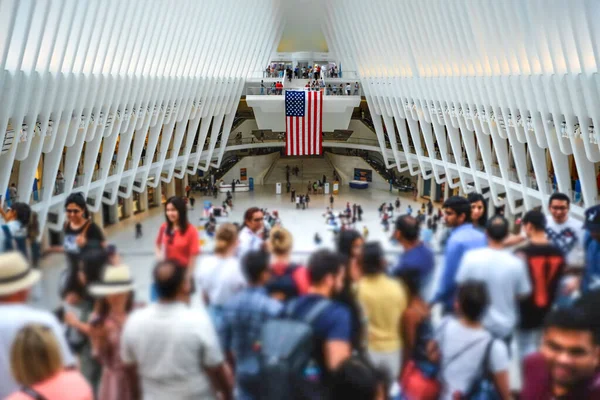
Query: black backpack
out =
(288, 368)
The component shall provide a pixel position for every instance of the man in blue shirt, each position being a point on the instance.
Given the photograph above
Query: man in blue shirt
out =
(591, 243)
(332, 328)
(464, 237)
(243, 318)
(417, 257)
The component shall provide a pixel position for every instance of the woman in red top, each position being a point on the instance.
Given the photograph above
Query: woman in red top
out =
(177, 239)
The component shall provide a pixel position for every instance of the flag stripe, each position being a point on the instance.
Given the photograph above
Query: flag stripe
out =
(304, 122)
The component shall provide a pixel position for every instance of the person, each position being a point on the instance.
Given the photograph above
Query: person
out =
(177, 239)
(383, 301)
(591, 274)
(81, 235)
(360, 213)
(358, 380)
(288, 280)
(429, 208)
(348, 89)
(566, 367)
(262, 87)
(13, 234)
(563, 231)
(138, 230)
(331, 201)
(174, 347)
(250, 237)
(288, 185)
(12, 194)
(233, 186)
(467, 351)
(365, 232)
(16, 281)
(293, 195)
(478, 210)
(464, 237)
(397, 204)
(219, 277)
(306, 200)
(243, 317)
(349, 244)
(192, 202)
(546, 266)
(356, 88)
(115, 294)
(298, 201)
(37, 365)
(33, 234)
(416, 256)
(332, 328)
(317, 239)
(409, 210)
(504, 274)
(417, 330)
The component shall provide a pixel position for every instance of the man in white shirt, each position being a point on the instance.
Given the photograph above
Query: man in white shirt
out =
(251, 234)
(174, 347)
(16, 280)
(504, 274)
(565, 232)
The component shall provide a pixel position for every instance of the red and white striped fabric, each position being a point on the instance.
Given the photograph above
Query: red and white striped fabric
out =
(304, 122)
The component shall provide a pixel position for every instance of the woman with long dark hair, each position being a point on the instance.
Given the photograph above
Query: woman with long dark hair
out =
(81, 234)
(349, 244)
(177, 239)
(13, 235)
(478, 210)
(115, 294)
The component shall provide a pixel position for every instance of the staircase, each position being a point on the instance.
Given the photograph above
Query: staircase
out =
(311, 169)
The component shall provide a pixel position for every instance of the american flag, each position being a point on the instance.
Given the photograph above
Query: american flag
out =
(304, 122)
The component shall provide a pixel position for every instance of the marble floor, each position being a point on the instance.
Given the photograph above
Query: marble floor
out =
(139, 253)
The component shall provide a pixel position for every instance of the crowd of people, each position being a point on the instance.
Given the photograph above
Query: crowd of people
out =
(250, 322)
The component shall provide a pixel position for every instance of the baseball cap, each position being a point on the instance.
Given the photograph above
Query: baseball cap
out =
(592, 219)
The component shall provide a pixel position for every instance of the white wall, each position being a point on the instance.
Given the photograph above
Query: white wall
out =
(360, 130)
(256, 167)
(345, 165)
(246, 128)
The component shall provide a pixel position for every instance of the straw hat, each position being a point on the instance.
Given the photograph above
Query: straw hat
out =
(16, 274)
(115, 280)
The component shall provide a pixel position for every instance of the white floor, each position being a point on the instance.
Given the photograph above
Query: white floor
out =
(139, 254)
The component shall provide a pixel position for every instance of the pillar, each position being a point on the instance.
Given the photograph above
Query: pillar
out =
(158, 195)
(420, 186)
(144, 200)
(113, 213)
(98, 218)
(171, 188)
(433, 190)
(128, 206)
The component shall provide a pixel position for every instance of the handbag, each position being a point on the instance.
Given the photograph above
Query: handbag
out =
(416, 386)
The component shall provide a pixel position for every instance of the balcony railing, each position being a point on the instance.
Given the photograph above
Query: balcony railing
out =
(328, 91)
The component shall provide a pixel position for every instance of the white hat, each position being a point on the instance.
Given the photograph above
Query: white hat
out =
(115, 280)
(15, 273)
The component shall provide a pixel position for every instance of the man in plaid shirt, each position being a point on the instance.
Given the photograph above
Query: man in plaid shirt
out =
(243, 318)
